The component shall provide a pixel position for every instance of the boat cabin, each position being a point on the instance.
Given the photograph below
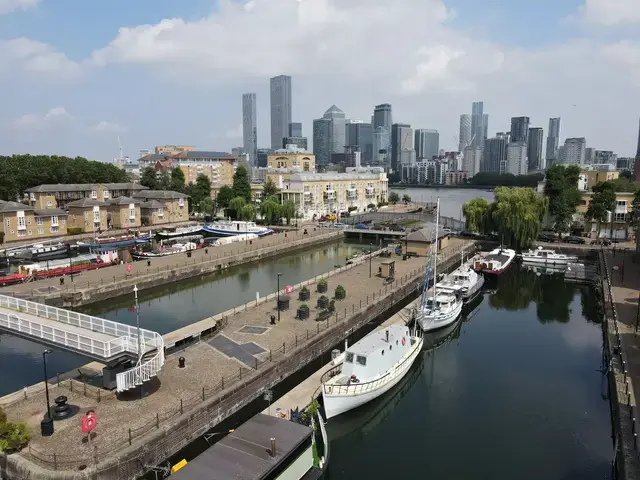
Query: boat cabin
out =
(444, 301)
(376, 353)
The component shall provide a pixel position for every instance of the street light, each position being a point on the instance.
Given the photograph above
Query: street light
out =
(369, 259)
(278, 301)
(46, 425)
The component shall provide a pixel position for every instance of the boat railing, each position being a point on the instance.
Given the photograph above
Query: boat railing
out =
(363, 387)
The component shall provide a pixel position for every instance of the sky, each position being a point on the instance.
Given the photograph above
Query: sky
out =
(78, 76)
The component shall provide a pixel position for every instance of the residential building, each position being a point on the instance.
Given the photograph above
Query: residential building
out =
(455, 177)
(24, 222)
(471, 160)
(298, 142)
(250, 127)
(494, 156)
(553, 140)
(237, 151)
(517, 158)
(360, 134)
(172, 149)
(152, 213)
(479, 124)
(625, 163)
(174, 204)
(574, 150)
(464, 139)
(534, 149)
(427, 144)
(292, 158)
(520, 129)
(58, 195)
(425, 172)
(87, 215)
(350, 158)
(317, 194)
(295, 129)
(123, 212)
(589, 156)
(589, 178)
(280, 109)
(402, 143)
(560, 156)
(605, 156)
(322, 141)
(616, 226)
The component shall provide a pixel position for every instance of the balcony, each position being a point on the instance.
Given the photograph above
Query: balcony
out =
(370, 191)
(352, 194)
(330, 194)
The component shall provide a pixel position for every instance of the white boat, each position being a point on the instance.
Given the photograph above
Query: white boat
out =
(235, 227)
(546, 256)
(370, 368)
(179, 231)
(463, 281)
(437, 309)
(496, 262)
(165, 251)
(235, 239)
(43, 252)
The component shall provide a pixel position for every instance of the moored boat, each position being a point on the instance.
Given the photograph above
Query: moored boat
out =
(235, 227)
(180, 232)
(463, 281)
(117, 241)
(496, 262)
(234, 239)
(163, 251)
(546, 256)
(43, 252)
(370, 368)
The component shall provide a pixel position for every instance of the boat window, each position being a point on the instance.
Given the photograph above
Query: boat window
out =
(361, 360)
(396, 342)
(349, 358)
(390, 347)
(382, 352)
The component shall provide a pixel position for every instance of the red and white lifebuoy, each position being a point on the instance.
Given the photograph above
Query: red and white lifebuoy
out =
(403, 341)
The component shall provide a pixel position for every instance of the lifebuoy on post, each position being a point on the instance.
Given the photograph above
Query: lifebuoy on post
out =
(403, 341)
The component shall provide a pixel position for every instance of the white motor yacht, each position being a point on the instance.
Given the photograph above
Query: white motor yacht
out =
(546, 256)
(370, 368)
(463, 281)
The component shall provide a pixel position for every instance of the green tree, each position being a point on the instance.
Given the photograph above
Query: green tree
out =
(475, 213)
(406, 199)
(241, 184)
(177, 179)
(517, 214)
(149, 178)
(288, 211)
(235, 206)
(224, 197)
(269, 189)
(622, 184)
(561, 188)
(602, 202)
(270, 211)
(164, 181)
(203, 184)
(627, 174)
(492, 179)
(248, 212)
(394, 198)
(207, 206)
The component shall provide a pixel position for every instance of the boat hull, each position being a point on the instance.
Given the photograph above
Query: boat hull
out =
(473, 290)
(431, 323)
(548, 261)
(231, 233)
(496, 271)
(166, 235)
(336, 404)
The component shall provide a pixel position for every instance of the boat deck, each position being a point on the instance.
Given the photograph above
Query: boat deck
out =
(496, 257)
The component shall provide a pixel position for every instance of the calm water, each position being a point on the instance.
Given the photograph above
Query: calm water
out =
(514, 394)
(451, 199)
(170, 308)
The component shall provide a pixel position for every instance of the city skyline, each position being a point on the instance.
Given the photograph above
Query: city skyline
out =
(75, 93)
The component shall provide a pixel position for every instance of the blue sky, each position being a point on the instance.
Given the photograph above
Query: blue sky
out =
(81, 73)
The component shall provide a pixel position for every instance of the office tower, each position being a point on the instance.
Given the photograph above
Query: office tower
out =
(589, 156)
(294, 129)
(479, 124)
(263, 156)
(516, 158)
(553, 140)
(427, 144)
(382, 116)
(485, 124)
(494, 156)
(381, 122)
(464, 140)
(360, 134)
(471, 160)
(520, 129)
(322, 141)
(574, 151)
(638, 149)
(534, 149)
(401, 141)
(250, 128)
(280, 109)
(337, 119)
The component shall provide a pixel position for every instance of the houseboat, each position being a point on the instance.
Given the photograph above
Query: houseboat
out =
(235, 227)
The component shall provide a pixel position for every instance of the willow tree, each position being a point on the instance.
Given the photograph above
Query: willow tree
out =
(517, 215)
(475, 213)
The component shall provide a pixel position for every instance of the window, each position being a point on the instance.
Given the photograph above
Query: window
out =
(362, 360)
(22, 233)
(621, 203)
(49, 204)
(105, 194)
(181, 202)
(620, 217)
(160, 212)
(132, 212)
(349, 357)
(21, 223)
(54, 228)
(94, 194)
(54, 221)
(96, 215)
(8, 222)
(41, 231)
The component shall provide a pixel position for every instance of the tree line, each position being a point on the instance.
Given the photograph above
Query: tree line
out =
(20, 172)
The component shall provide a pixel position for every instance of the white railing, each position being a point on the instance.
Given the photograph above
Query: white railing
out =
(125, 336)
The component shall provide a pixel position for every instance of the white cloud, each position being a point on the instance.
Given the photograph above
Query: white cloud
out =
(609, 13)
(8, 6)
(36, 58)
(32, 121)
(108, 127)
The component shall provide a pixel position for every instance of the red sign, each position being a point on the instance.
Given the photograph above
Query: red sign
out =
(89, 422)
(129, 267)
(288, 289)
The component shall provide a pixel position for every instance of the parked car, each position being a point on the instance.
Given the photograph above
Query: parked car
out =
(603, 241)
(574, 239)
(361, 226)
(547, 237)
(467, 234)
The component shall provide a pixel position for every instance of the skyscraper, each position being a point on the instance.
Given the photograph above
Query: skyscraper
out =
(360, 134)
(516, 158)
(381, 122)
(338, 128)
(280, 109)
(534, 148)
(638, 150)
(249, 128)
(382, 116)
(322, 141)
(295, 129)
(401, 143)
(427, 143)
(520, 129)
(464, 139)
(574, 151)
(494, 157)
(479, 124)
(553, 139)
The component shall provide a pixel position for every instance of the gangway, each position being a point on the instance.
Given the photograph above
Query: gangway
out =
(104, 340)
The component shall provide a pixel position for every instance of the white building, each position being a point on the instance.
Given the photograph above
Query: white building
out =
(471, 160)
(517, 158)
(574, 151)
(429, 172)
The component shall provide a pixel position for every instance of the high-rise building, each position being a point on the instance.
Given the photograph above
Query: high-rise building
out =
(262, 156)
(299, 142)
(574, 150)
(534, 149)
(494, 156)
(479, 124)
(360, 134)
(464, 140)
(516, 158)
(382, 116)
(471, 160)
(381, 122)
(250, 128)
(427, 144)
(338, 128)
(638, 149)
(280, 109)
(322, 141)
(401, 141)
(520, 129)
(553, 140)
(589, 156)
(605, 156)
(295, 129)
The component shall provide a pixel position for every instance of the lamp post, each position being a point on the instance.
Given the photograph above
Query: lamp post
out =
(46, 425)
(369, 259)
(278, 301)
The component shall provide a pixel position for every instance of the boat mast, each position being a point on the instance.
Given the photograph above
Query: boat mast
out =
(435, 258)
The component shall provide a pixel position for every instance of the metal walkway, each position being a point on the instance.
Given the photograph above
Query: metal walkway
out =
(94, 337)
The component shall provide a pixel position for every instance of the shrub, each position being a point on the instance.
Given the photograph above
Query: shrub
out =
(322, 282)
(303, 311)
(371, 206)
(304, 307)
(304, 294)
(13, 436)
(352, 209)
(74, 230)
(340, 293)
(322, 286)
(332, 306)
(3, 417)
(323, 301)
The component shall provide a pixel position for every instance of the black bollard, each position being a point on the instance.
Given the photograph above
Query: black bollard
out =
(273, 319)
(181, 362)
(61, 280)
(148, 263)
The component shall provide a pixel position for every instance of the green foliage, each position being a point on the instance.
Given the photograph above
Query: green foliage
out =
(177, 179)
(322, 282)
(304, 289)
(288, 210)
(622, 184)
(1, 237)
(248, 212)
(241, 184)
(149, 178)
(626, 174)
(224, 197)
(3, 416)
(164, 181)
(235, 206)
(20, 172)
(475, 214)
(74, 230)
(304, 307)
(332, 306)
(492, 179)
(270, 211)
(269, 189)
(323, 301)
(602, 202)
(199, 192)
(382, 204)
(406, 199)
(371, 206)
(340, 292)
(207, 206)
(394, 198)
(561, 188)
(13, 436)
(352, 209)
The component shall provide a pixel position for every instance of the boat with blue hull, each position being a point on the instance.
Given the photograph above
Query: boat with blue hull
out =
(231, 228)
(120, 241)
